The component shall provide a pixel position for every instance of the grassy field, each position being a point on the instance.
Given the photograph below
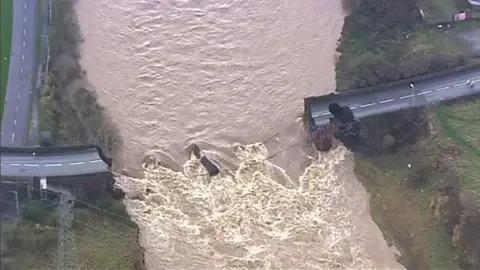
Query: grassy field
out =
(6, 10)
(380, 45)
(403, 213)
(100, 241)
(461, 124)
(437, 11)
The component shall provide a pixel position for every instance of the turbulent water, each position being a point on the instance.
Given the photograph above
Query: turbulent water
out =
(219, 73)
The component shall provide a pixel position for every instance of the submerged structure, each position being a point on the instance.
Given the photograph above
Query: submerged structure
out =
(342, 126)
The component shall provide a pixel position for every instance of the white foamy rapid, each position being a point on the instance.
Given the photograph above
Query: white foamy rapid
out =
(250, 221)
(217, 73)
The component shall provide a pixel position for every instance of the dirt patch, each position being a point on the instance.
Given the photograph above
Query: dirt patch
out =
(472, 37)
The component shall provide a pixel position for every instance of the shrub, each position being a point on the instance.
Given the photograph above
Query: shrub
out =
(37, 211)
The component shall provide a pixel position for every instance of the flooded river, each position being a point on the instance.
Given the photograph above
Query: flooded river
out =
(221, 74)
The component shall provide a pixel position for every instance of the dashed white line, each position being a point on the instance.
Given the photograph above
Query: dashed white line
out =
(15, 122)
(25, 18)
(31, 165)
(25, 6)
(24, 32)
(15, 164)
(23, 56)
(23, 44)
(16, 109)
(443, 88)
(18, 95)
(386, 101)
(13, 137)
(407, 96)
(77, 163)
(460, 84)
(21, 70)
(367, 105)
(353, 108)
(326, 113)
(54, 165)
(96, 161)
(424, 93)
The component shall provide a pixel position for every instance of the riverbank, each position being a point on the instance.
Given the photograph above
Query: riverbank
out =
(102, 234)
(69, 111)
(413, 204)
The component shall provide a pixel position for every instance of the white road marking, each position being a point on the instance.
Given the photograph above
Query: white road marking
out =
(15, 164)
(77, 163)
(424, 93)
(460, 84)
(96, 161)
(15, 122)
(18, 95)
(386, 101)
(31, 165)
(326, 113)
(21, 70)
(23, 56)
(353, 108)
(13, 137)
(25, 6)
(24, 32)
(25, 18)
(443, 88)
(16, 109)
(408, 96)
(367, 105)
(53, 165)
(23, 44)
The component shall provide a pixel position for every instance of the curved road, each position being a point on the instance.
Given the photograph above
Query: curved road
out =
(429, 91)
(21, 75)
(43, 162)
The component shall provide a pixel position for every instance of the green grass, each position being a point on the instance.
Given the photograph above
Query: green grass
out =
(100, 241)
(403, 213)
(6, 13)
(461, 124)
(437, 11)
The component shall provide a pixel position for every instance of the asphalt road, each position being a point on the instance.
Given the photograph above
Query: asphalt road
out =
(65, 164)
(426, 92)
(21, 74)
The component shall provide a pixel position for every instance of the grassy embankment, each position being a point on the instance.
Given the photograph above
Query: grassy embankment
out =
(102, 240)
(380, 45)
(68, 106)
(68, 109)
(6, 13)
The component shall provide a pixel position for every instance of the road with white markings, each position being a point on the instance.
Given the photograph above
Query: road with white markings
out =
(32, 164)
(430, 91)
(16, 115)
(21, 74)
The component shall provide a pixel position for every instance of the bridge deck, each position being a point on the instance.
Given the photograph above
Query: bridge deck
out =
(52, 162)
(401, 96)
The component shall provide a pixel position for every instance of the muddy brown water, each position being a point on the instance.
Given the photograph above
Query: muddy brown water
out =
(219, 74)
